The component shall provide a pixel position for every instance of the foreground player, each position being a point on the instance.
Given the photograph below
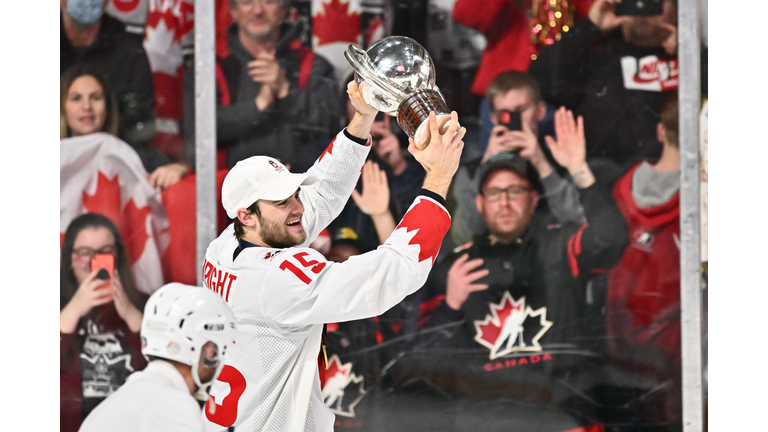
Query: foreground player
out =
(282, 295)
(185, 333)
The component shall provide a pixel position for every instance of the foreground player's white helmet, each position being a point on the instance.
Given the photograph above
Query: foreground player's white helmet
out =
(180, 321)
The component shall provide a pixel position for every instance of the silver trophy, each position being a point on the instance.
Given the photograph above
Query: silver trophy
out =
(397, 77)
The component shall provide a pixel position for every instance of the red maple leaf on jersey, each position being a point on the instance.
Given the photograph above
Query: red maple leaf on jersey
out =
(432, 223)
(328, 150)
(334, 23)
(488, 330)
(336, 368)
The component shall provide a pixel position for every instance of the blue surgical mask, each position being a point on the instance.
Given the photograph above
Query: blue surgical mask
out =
(85, 13)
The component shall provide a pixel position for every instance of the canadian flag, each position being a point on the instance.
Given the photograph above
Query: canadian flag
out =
(102, 174)
(168, 35)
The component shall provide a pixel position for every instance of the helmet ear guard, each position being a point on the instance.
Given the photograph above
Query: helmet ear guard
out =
(184, 323)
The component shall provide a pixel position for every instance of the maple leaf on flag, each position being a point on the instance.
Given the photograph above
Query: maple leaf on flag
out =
(178, 20)
(105, 199)
(334, 23)
(430, 222)
(134, 232)
(328, 150)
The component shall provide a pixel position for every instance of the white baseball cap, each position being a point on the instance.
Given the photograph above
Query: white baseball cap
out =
(259, 177)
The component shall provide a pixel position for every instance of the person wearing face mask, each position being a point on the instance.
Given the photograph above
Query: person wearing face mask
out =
(185, 333)
(616, 71)
(89, 36)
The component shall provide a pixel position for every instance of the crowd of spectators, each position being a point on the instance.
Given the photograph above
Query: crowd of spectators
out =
(554, 304)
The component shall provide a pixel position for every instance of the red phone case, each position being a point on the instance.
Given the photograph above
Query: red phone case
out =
(105, 261)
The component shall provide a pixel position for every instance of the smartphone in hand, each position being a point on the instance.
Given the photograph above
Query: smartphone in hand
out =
(510, 119)
(105, 263)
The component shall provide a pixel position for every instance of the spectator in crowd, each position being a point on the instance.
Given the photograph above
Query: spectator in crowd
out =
(100, 318)
(89, 36)
(160, 398)
(374, 200)
(643, 305)
(616, 71)
(87, 106)
(517, 92)
(273, 94)
(507, 327)
(507, 26)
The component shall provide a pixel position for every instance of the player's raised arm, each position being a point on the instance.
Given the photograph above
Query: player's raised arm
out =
(338, 168)
(314, 291)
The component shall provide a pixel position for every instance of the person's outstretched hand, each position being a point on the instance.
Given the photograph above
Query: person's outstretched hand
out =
(461, 280)
(365, 115)
(441, 157)
(374, 200)
(570, 148)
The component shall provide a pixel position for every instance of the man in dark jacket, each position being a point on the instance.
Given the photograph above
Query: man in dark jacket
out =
(616, 71)
(508, 339)
(274, 94)
(90, 36)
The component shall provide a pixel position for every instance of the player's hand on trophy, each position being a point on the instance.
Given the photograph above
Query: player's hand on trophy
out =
(440, 158)
(361, 123)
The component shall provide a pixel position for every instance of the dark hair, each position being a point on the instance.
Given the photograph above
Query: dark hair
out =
(68, 282)
(670, 119)
(509, 161)
(239, 227)
(69, 77)
(512, 80)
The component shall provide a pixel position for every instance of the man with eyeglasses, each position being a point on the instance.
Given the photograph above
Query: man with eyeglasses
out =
(185, 333)
(510, 307)
(274, 94)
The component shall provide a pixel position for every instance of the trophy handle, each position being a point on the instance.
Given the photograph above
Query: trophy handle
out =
(362, 65)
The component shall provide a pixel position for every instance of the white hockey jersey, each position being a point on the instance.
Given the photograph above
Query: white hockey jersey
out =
(282, 298)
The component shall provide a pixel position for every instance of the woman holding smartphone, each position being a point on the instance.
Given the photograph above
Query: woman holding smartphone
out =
(100, 317)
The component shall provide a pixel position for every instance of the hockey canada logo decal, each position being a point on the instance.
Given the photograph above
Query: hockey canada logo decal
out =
(343, 390)
(512, 327)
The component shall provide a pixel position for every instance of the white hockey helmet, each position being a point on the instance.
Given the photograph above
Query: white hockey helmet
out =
(179, 322)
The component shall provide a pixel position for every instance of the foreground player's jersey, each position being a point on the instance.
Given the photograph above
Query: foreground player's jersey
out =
(282, 298)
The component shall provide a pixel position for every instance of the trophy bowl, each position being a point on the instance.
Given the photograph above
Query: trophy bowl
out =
(396, 76)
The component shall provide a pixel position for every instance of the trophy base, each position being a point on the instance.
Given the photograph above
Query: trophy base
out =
(413, 112)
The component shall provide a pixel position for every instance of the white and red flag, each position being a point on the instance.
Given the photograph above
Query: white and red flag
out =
(102, 174)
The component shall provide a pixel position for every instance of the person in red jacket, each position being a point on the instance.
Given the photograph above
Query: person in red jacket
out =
(643, 304)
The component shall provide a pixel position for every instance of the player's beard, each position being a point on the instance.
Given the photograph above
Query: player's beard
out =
(276, 235)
